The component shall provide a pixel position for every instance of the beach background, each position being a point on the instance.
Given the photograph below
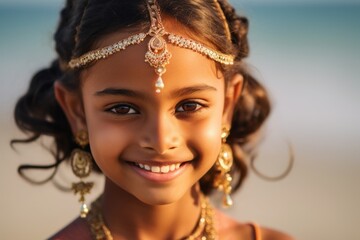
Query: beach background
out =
(307, 53)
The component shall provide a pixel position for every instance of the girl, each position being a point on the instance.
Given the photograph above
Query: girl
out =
(157, 94)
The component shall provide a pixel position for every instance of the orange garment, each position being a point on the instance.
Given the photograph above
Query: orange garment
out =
(256, 231)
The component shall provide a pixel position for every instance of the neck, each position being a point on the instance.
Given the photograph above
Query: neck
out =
(129, 218)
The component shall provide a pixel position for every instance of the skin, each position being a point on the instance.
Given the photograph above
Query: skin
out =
(128, 122)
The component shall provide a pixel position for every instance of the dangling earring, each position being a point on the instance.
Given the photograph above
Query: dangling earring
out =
(81, 164)
(223, 165)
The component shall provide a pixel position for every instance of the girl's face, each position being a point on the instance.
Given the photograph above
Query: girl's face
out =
(154, 146)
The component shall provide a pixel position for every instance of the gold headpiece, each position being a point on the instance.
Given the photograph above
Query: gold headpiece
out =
(157, 55)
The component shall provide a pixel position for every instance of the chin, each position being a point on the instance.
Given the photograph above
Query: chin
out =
(163, 196)
(157, 197)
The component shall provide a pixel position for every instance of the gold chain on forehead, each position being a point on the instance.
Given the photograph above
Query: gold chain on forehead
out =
(157, 54)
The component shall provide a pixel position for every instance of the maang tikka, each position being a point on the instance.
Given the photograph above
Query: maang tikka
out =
(157, 54)
(223, 166)
(81, 165)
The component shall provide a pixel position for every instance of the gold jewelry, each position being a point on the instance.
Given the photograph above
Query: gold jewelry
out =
(205, 229)
(81, 165)
(157, 55)
(223, 166)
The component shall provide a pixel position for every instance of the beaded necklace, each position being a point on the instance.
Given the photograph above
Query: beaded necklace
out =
(204, 230)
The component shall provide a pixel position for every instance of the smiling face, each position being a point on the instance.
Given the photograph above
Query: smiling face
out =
(154, 146)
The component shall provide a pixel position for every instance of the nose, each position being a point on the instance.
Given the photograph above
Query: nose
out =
(160, 134)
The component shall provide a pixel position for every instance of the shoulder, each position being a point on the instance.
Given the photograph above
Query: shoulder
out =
(271, 234)
(78, 228)
(230, 229)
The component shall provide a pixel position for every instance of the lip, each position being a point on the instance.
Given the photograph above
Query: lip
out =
(165, 176)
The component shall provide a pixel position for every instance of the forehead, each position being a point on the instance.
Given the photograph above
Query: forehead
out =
(128, 69)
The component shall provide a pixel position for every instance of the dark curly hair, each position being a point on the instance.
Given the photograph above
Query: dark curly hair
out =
(84, 22)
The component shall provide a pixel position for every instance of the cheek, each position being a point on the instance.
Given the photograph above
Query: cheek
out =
(104, 140)
(107, 139)
(206, 140)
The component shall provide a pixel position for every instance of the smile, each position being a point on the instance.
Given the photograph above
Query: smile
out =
(160, 172)
(159, 168)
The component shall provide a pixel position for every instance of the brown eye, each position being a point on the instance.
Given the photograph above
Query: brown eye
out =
(189, 107)
(122, 109)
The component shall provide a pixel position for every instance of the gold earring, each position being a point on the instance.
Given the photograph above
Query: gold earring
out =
(81, 165)
(223, 166)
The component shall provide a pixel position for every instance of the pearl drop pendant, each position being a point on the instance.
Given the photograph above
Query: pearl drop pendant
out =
(159, 85)
(84, 210)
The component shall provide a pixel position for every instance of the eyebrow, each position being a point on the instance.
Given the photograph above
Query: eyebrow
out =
(119, 92)
(135, 94)
(192, 89)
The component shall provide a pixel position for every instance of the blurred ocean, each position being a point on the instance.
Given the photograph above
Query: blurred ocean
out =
(308, 56)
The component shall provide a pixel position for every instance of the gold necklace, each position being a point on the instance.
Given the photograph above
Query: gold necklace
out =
(204, 230)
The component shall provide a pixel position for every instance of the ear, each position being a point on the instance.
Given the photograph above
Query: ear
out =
(71, 104)
(232, 94)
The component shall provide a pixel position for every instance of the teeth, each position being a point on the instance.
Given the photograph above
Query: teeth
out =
(155, 169)
(165, 169)
(159, 169)
(172, 167)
